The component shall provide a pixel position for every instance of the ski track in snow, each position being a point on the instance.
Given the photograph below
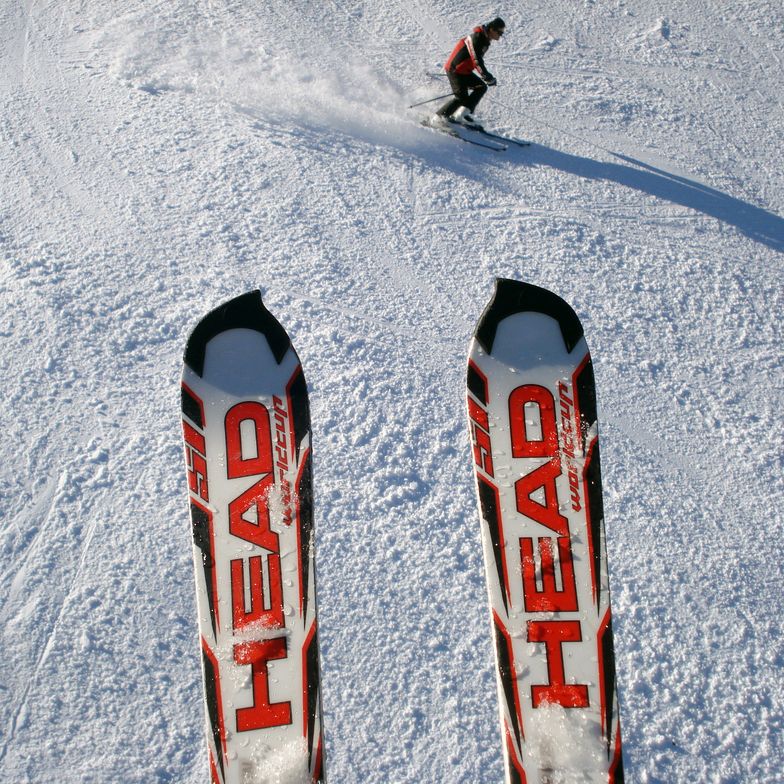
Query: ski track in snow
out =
(158, 158)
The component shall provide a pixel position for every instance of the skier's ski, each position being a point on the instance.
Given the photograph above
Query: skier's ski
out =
(462, 132)
(533, 429)
(247, 452)
(507, 139)
(481, 129)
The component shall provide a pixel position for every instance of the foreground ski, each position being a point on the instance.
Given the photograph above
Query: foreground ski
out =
(533, 429)
(465, 134)
(247, 450)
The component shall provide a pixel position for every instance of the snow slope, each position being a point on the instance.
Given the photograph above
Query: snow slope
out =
(159, 157)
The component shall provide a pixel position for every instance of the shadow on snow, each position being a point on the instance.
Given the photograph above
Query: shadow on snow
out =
(757, 224)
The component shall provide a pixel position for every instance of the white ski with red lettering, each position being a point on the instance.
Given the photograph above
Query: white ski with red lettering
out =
(532, 421)
(246, 427)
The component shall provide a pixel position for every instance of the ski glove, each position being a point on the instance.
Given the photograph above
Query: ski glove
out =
(490, 80)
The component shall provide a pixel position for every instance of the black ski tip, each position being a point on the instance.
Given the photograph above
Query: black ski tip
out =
(244, 312)
(514, 296)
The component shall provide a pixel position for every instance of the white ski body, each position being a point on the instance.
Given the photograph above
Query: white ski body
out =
(247, 448)
(532, 421)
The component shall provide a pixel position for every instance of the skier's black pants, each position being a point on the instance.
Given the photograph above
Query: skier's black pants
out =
(461, 84)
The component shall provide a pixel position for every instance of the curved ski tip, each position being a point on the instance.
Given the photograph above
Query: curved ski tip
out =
(244, 312)
(514, 296)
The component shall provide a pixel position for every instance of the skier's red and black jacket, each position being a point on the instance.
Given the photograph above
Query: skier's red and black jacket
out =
(467, 55)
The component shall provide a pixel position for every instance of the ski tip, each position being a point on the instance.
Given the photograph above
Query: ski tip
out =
(514, 296)
(244, 312)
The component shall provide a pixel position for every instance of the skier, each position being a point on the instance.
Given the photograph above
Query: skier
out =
(464, 60)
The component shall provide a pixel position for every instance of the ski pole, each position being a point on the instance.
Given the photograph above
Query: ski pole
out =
(430, 100)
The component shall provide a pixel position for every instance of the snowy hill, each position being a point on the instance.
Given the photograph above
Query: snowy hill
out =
(159, 157)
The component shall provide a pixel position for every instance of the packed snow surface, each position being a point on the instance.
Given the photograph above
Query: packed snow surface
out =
(158, 157)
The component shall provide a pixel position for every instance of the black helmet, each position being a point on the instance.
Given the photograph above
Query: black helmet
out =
(497, 24)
